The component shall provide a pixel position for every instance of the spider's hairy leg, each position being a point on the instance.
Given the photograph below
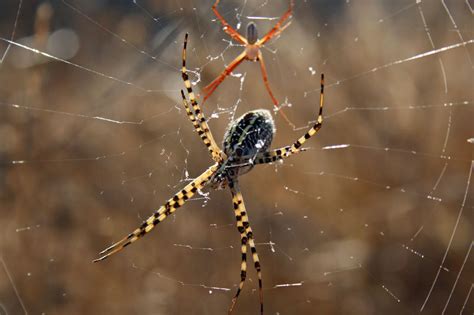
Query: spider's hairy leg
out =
(269, 156)
(284, 152)
(227, 28)
(265, 157)
(267, 86)
(243, 249)
(256, 262)
(313, 130)
(197, 126)
(201, 120)
(278, 28)
(162, 213)
(238, 202)
(211, 87)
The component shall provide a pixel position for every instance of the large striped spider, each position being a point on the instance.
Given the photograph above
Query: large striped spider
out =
(246, 144)
(251, 52)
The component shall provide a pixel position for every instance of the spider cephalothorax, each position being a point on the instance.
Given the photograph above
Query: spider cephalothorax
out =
(245, 138)
(246, 144)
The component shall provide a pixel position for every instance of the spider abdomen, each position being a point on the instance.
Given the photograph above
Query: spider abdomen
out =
(249, 134)
(252, 33)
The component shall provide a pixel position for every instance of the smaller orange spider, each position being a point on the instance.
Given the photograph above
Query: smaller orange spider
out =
(252, 51)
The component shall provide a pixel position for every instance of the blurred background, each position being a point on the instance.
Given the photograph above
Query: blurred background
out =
(376, 218)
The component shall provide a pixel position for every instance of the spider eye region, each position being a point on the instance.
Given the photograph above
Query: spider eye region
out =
(252, 33)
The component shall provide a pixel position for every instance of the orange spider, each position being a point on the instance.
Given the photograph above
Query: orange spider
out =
(252, 51)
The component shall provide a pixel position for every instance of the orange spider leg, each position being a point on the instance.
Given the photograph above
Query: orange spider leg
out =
(267, 85)
(217, 81)
(227, 28)
(282, 29)
(278, 28)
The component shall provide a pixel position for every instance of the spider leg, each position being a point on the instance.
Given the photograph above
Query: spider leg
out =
(278, 28)
(267, 157)
(284, 152)
(238, 202)
(282, 28)
(211, 144)
(243, 248)
(197, 126)
(162, 213)
(267, 86)
(313, 130)
(257, 265)
(227, 28)
(211, 87)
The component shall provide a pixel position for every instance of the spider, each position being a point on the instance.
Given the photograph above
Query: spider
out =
(252, 52)
(245, 145)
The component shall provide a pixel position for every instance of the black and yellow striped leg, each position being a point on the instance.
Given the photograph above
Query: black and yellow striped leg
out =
(162, 213)
(284, 152)
(243, 249)
(216, 153)
(313, 130)
(256, 262)
(270, 156)
(239, 205)
(196, 124)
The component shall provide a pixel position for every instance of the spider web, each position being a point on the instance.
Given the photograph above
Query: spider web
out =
(375, 218)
